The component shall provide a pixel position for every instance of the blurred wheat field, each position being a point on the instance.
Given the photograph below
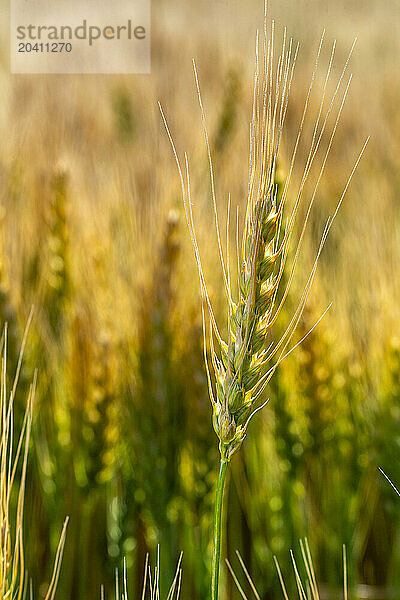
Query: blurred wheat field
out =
(93, 233)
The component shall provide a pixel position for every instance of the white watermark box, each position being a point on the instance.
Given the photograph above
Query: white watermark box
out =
(80, 36)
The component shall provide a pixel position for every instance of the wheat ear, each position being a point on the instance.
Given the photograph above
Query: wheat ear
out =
(244, 364)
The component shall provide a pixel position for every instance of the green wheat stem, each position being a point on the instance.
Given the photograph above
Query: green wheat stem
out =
(217, 529)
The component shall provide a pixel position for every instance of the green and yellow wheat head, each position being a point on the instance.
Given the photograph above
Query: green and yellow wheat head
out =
(244, 363)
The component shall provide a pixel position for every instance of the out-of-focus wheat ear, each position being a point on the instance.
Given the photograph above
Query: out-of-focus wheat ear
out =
(58, 250)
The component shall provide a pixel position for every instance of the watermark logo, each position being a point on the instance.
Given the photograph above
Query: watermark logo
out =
(80, 36)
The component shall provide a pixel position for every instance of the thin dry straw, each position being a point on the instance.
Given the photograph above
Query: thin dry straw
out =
(8, 430)
(310, 584)
(235, 579)
(179, 584)
(157, 574)
(176, 579)
(249, 579)
(151, 585)
(57, 563)
(125, 580)
(18, 557)
(145, 576)
(154, 585)
(281, 580)
(305, 551)
(389, 481)
(299, 584)
(8, 470)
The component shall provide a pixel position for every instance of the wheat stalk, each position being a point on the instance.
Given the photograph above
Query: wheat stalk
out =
(244, 363)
